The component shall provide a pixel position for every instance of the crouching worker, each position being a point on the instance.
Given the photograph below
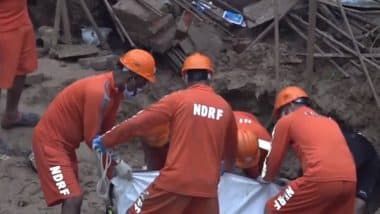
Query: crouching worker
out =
(367, 168)
(253, 144)
(84, 109)
(202, 134)
(328, 184)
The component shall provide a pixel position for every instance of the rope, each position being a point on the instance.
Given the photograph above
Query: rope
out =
(103, 185)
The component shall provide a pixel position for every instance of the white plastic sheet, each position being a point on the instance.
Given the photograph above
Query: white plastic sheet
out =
(237, 194)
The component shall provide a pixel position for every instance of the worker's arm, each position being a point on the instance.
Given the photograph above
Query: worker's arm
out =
(95, 102)
(230, 145)
(279, 148)
(137, 125)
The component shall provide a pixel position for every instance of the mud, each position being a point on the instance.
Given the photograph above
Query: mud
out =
(246, 80)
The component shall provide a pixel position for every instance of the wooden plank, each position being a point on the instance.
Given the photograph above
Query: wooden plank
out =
(337, 55)
(336, 42)
(67, 51)
(311, 37)
(319, 49)
(57, 22)
(360, 56)
(67, 36)
(262, 11)
(276, 40)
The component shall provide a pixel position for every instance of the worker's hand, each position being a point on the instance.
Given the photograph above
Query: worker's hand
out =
(97, 144)
(261, 180)
(281, 181)
(123, 170)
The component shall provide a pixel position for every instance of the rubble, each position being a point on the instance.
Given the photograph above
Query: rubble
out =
(145, 26)
(176, 28)
(68, 51)
(98, 63)
(44, 39)
(262, 11)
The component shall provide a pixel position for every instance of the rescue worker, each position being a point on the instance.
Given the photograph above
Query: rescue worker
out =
(202, 134)
(86, 108)
(18, 57)
(253, 144)
(367, 167)
(329, 180)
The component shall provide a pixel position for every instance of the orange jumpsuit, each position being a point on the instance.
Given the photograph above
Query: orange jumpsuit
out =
(329, 180)
(245, 119)
(202, 133)
(18, 54)
(81, 111)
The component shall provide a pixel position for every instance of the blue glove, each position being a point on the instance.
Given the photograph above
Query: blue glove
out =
(97, 144)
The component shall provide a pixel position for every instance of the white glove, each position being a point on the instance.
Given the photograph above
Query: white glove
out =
(123, 170)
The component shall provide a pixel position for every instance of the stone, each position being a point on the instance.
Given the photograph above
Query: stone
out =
(69, 51)
(98, 63)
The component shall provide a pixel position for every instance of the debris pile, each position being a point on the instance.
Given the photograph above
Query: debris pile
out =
(179, 27)
(346, 32)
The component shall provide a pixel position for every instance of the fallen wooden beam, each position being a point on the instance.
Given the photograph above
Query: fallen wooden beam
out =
(150, 7)
(112, 14)
(311, 38)
(337, 55)
(67, 36)
(319, 49)
(263, 11)
(333, 40)
(276, 40)
(360, 56)
(57, 22)
(331, 24)
(91, 19)
(333, 4)
(259, 37)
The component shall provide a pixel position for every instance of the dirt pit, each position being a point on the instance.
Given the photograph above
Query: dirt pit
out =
(246, 80)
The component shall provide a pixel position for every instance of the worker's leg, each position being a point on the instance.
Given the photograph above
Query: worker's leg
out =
(158, 201)
(202, 206)
(360, 206)
(302, 196)
(367, 176)
(58, 174)
(340, 196)
(293, 198)
(72, 205)
(23, 60)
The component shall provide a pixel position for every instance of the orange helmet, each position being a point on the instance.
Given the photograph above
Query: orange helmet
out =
(140, 62)
(248, 153)
(286, 96)
(158, 136)
(197, 61)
